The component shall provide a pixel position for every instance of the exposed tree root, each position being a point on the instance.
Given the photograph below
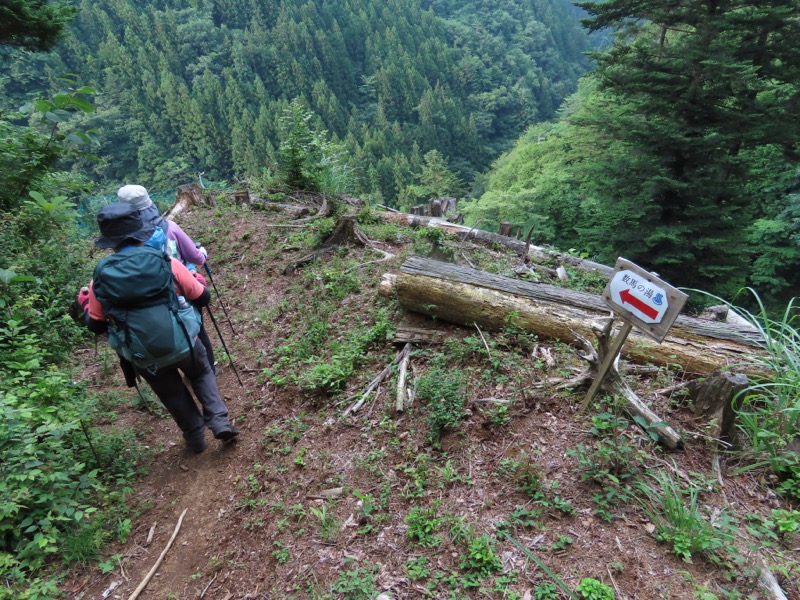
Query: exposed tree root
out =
(346, 231)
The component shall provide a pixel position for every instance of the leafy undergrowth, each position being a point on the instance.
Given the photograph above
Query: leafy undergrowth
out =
(489, 485)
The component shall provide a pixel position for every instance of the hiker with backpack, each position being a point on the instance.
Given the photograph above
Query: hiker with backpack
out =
(147, 302)
(177, 244)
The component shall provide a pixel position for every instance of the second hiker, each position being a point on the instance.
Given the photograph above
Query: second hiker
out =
(146, 301)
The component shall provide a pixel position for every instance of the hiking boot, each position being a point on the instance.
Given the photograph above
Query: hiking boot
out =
(227, 434)
(197, 446)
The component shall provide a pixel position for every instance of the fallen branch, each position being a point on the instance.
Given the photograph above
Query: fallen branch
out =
(616, 386)
(386, 256)
(402, 392)
(485, 345)
(152, 571)
(150, 535)
(377, 381)
(205, 589)
(324, 211)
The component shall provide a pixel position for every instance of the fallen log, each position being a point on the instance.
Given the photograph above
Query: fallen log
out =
(535, 253)
(467, 296)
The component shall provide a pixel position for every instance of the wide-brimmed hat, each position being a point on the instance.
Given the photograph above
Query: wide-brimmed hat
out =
(135, 195)
(119, 222)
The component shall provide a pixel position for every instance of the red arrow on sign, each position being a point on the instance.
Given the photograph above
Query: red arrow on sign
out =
(629, 298)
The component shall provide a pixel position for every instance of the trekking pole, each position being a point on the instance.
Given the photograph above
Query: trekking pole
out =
(230, 358)
(219, 297)
(145, 403)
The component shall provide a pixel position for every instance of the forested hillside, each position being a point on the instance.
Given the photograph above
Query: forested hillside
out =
(680, 149)
(188, 86)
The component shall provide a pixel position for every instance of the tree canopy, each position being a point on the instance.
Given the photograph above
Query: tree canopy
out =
(33, 24)
(662, 157)
(199, 86)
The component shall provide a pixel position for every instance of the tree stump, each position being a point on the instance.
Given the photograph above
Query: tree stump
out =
(436, 208)
(715, 399)
(506, 228)
(419, 210)
(241, 197)
(188, 195)
(346, 231)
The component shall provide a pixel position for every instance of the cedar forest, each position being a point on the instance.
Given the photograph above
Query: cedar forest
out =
(664, 132)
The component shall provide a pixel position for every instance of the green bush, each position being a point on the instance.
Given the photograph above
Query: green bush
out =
(592, 589)
(443, 390)
(56, 468)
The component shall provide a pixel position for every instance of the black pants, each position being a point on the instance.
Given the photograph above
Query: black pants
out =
(204, 339)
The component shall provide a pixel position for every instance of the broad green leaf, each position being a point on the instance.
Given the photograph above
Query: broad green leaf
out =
(86, 90)
(36, 196)
(78, 138)
(44, 106)
(82, 104)
(61, 100)
(54, 118)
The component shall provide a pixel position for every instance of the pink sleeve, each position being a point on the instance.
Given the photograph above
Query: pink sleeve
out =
(185, 283)
(95, 309)
(186, 248)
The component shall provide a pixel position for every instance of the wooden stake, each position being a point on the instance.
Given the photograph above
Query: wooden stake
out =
(613, 352)
(152, 572)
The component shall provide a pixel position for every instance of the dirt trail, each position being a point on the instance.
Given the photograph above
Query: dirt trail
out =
(256, 526)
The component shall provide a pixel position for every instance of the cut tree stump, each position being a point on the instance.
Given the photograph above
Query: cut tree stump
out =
(715, 399)
(187, 196)
(346, 231)
(467, 296)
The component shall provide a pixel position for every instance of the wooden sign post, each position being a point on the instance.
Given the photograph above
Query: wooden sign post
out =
(642, 300)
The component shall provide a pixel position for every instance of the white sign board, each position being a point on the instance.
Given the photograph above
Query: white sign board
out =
(643, 299)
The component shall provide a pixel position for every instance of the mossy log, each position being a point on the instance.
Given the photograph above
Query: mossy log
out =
(467, 296)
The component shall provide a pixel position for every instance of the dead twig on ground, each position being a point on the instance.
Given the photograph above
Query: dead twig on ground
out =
(376, 382)
(205, 589)
(485, 345)
(402, 392)
(152, 571)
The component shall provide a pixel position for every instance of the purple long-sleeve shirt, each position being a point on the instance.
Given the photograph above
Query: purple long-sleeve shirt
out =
(187, 251)
(184, 246)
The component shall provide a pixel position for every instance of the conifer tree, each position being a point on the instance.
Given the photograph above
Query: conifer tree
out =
(33, 24)
(687, 88)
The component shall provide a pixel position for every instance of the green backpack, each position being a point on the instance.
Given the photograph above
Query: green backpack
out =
(147, 324)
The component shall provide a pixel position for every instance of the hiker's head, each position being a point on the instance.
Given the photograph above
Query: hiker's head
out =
(135, 195)
(120, 225)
